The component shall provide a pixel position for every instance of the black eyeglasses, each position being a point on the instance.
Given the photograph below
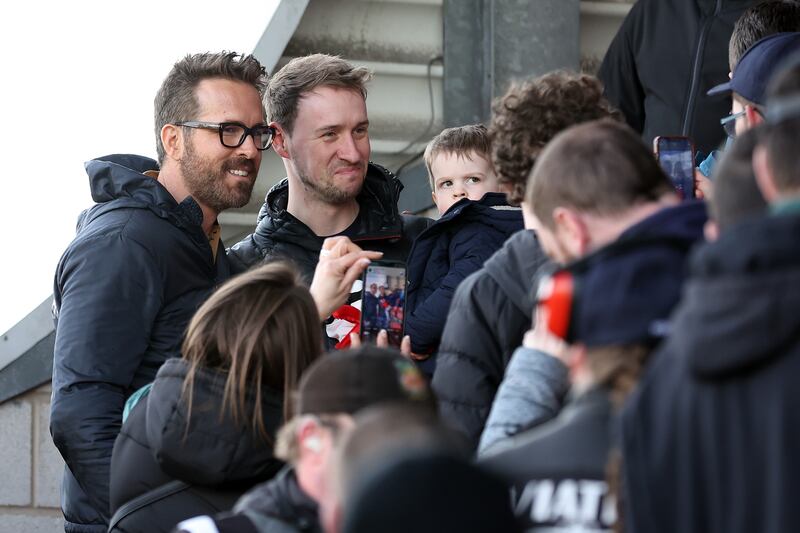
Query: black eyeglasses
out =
(233, 134)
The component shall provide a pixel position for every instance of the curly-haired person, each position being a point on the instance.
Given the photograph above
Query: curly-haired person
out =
(492, 308)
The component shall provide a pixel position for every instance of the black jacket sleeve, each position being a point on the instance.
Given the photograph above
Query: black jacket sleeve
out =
(620, 75)
(468, 251)
(108, 294)
(482, 330)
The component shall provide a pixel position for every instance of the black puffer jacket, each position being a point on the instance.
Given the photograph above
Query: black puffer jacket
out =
(710, 437)
(125, 289)
(663, 60)
(490, 313)
(218, 458)
(379, 226)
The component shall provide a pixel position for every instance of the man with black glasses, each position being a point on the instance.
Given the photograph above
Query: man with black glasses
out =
(144, 258)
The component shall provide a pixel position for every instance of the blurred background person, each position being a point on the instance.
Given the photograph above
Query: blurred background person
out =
(491, 309)
(594, 185)
(206, 427)
(709, 438)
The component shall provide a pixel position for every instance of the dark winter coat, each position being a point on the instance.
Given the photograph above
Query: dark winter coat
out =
(443, 255)
(490, 313)
(125, 289)
(710, 437)
(218, 458)
(379, 226)
(665, 57)
(553, 467)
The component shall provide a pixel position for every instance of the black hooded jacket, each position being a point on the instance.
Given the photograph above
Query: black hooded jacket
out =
(218, 458)
(710, 438)
(665, 57)
(490, 313)
(125, 289)
(379, 226)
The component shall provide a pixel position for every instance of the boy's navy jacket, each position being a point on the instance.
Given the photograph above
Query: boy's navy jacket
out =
(444, 254)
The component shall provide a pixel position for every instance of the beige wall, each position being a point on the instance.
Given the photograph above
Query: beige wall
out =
(30, 466)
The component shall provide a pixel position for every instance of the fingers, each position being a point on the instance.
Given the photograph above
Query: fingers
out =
(382, 341)
(354, 272)
(355, 340)
(405, 346)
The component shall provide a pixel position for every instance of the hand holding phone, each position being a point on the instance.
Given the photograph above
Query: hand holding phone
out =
(676, 157)
(383, 301)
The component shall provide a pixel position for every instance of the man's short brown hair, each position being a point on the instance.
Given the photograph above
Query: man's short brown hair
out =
(461, 141)
(601, 167)
(304, 74)
(759, 21)
(176, 100)
(533, 112)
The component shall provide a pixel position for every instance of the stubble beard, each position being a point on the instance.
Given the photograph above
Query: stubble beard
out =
(206, 184)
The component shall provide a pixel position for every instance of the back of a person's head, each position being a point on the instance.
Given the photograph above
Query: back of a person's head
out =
(601, 167)
(759, 21)
(433, 493)
(462, 141)
(781, 133)
(531, 113)
(736, 193)
(259, 328)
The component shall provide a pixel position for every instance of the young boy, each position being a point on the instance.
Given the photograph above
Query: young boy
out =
(475, 221)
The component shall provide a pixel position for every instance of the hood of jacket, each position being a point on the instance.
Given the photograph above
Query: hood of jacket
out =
(639, 276)
(214, 450)
(739, 309)
(378, 215)
(514, 267)
(118, 181)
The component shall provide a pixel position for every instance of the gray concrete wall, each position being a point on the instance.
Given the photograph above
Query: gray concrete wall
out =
(30, 466)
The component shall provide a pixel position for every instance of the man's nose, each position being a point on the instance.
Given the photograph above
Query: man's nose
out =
(348, 149)
(248, 148)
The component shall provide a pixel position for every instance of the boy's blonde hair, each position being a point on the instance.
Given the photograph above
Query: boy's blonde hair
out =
(461, 141)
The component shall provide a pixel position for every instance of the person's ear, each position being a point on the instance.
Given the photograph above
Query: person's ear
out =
(754, 118)
(765, 178)
(573, 230)
(172, 140)
(433, 197)
(279, 142)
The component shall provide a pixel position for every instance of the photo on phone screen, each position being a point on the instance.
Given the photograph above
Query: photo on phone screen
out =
(676, 157)
(382, 301)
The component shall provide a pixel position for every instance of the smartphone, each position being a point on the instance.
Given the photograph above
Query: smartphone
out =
(383, 298)
(676, 157)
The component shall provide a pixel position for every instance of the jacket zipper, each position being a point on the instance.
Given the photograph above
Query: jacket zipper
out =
(701, 45)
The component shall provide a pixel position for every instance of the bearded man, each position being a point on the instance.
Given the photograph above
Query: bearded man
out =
(143, 260)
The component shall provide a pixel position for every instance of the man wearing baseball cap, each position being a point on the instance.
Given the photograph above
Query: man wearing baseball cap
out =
(748, 84)
(330, 393)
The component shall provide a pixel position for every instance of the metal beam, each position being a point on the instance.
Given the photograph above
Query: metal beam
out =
(490, 43)
(32, 369)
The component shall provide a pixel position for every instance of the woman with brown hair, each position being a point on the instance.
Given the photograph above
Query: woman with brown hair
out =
(204, 432)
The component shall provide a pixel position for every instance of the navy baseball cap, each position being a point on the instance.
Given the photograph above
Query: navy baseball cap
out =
(757, 66)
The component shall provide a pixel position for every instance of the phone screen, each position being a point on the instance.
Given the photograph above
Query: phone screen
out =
(382, 302)
(676, 156)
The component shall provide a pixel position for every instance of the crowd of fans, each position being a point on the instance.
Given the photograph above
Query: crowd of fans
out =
(584, 350)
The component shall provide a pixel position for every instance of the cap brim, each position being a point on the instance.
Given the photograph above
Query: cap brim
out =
(722, 88)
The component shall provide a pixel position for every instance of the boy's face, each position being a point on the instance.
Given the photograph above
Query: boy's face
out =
(460, 176)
